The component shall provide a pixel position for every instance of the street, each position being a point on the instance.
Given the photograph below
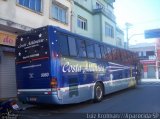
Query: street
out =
(143, 99)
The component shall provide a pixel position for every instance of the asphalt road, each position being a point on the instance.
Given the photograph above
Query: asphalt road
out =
(144, 99)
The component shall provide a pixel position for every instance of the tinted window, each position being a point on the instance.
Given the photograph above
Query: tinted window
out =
(32, 45)
(90, 49)
(117, 55)
(114, 55)
(123, 55)
(34, 5)
(97, 51)
(72, 46)
(109, 53)
(103, 52)
(120, 54)
(81, 48)
(126, 56)
(63, 44)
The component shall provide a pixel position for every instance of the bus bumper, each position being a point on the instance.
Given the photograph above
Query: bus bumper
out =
(39, 98)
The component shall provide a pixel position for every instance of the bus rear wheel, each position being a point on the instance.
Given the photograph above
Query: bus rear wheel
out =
(98, 92)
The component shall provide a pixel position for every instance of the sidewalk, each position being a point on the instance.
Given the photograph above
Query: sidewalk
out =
(149, 81)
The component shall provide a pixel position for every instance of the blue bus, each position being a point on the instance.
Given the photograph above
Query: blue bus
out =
(55, 66)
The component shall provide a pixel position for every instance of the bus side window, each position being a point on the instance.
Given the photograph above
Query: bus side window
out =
(81, 48)
(90, 49)
(109, 53)
(63, 43)
(129, 57)
(126, 57)
(72, 46)
(103, 51)
(113, 54)
(123, 56)
(120, 56)
(97, 51)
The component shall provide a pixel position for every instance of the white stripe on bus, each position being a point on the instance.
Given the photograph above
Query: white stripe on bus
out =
(67, 88)
(28, 90)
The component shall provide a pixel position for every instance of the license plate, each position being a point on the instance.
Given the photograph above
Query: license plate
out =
(15, 106)
(33, 99)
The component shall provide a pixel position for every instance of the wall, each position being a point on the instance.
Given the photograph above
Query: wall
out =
(105, 38)
(88, 16)
(87, 4)
(96, 20)
(21, 15)
(97, 30)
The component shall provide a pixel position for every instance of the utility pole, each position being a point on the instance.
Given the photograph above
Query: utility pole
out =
(128, 25)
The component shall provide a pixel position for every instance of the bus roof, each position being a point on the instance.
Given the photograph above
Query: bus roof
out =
(74, 34)
(92, 39)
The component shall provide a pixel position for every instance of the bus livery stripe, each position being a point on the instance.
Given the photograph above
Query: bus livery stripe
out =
(41, 58)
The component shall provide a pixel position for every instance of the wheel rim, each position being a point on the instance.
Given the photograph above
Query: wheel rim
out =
(99, 92)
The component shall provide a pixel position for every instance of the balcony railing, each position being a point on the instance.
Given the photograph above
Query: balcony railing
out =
(107, 12)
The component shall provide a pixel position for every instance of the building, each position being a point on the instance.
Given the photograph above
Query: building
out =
(95, 19)
(147, 55)
(17, 16)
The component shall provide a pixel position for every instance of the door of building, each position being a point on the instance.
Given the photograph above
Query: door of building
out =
(7, 75)
(151, 71)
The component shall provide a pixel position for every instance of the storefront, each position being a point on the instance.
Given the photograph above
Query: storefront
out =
(7, 65)
(149, 68)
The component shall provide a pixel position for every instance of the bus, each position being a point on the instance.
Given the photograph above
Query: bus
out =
(55, 66)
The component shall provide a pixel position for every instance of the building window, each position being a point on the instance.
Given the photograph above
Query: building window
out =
(35, 5)
(59, 12)
(99, 6)
(109, 31)
(82, 23)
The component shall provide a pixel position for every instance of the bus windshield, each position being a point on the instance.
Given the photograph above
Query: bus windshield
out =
(33, 45)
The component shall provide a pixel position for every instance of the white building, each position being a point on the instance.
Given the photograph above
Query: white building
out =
(95, 19)
(17, 16)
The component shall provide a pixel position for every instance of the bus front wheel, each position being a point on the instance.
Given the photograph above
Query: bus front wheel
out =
(98, 92)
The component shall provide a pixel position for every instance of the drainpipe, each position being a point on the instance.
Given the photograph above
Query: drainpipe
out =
(157, 72)
(72, 16)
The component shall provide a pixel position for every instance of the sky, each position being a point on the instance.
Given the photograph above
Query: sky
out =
(142, 14)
